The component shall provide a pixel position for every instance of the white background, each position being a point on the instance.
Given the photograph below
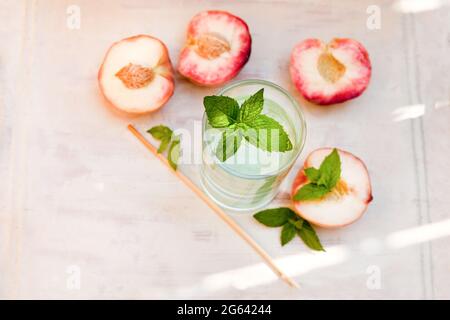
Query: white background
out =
(87, 212)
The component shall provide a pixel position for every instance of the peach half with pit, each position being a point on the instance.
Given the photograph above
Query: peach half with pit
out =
(218, 46)
(330, 73)
(346, 202)
(136, 75)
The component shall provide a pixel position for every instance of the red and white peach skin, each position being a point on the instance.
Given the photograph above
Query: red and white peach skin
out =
(346, 202)
(330, 73)
(218, 45)
(136, 75)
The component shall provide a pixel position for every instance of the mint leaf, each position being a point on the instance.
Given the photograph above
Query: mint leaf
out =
(252, 106)
(165, 135)
(229, 143)
(287, 233)
(260, 130)
(297, 223)
(311, 191)
(330, 170)
(267, 134)
(162, 133)
(274, 217)
(174, 153)
(221, 111)
(163, 146)
(323, 180)
(313, 174)
(309, 236)
(292, 225)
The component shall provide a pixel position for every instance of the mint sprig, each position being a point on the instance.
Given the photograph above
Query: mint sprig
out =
(229, 143)
(174, 152)
(287, 233)
(252, 107)
(275, 217)
(168, 139)
(291, 224)
(322, 180)
(221, 111)
(262, 129)
(244, 122)
(162, 133)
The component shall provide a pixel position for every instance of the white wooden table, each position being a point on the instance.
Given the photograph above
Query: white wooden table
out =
(87, 212)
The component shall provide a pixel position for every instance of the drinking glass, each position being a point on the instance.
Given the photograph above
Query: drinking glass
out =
(251, 177)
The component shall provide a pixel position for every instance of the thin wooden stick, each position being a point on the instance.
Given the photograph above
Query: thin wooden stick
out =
(226, 218)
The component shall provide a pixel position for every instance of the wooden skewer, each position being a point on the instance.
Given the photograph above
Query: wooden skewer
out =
(226, 218)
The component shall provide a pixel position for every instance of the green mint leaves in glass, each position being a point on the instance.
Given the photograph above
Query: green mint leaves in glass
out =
(244, 122)
(253, 131)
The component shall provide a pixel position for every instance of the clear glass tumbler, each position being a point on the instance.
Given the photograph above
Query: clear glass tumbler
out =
(251, 177)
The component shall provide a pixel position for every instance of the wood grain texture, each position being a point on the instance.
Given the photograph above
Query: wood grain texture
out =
(76, 190)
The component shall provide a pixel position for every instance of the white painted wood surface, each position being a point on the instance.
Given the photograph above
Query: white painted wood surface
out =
(79, 193)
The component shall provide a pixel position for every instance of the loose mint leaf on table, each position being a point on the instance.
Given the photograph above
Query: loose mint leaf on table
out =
(221, 111)
(274, 217)
(174, 153)
(267, 134)
(252, 106)
(163, 146)
(162, 133)
(309, 236)
(229, 143)
(322, 180)
(167, 138)
(292, 225)
(287, 233)
(258, 129)
(297, 223)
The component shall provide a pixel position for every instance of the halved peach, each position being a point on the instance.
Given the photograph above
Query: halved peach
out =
(330, 73)
(136, 75)
(346, 202)
(218, 46)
